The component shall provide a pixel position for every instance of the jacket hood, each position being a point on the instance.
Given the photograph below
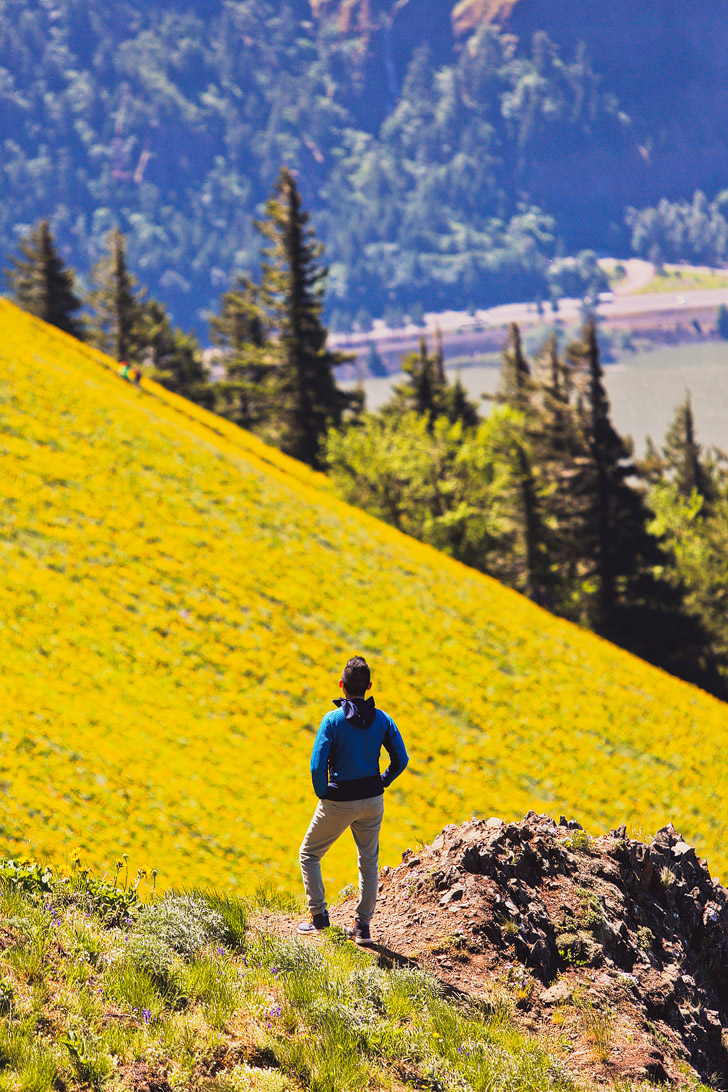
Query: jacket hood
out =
(359, 711)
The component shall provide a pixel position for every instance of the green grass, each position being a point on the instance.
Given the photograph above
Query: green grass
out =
(187, 988)
(688, 280)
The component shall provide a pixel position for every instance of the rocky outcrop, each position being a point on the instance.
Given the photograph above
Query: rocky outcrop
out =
(641, 925)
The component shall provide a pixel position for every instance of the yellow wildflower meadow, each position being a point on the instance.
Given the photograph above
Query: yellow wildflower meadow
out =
(178, 601)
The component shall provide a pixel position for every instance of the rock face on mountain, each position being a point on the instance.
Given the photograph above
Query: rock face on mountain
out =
(626, 941)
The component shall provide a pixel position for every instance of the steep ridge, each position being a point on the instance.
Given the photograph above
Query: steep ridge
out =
(616, 946)
(178, 599)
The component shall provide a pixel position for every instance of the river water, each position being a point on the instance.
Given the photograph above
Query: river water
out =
(643, 389)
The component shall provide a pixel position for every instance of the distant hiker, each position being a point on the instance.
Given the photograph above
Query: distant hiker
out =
(124, 370)
(136, 375)
(346, 778)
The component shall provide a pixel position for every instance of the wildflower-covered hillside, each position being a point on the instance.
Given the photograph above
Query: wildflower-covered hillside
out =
(178, 600)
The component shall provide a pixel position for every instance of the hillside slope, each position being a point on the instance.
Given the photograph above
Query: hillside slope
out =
(178, 602)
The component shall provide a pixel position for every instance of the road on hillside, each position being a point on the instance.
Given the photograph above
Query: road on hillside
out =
(470, 334)
(647, 303)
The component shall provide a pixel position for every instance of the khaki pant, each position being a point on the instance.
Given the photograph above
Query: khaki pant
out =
(330, 820)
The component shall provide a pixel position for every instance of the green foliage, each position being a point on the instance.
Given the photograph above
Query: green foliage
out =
(645, 938)
(185, 923)
(117, 312)
(113, 904)
(42, 285)
(90, 1058)
(27, 876)
(172, 122)
(693, 231)
(7, 995)
(543, 494)
(306, 399)
(681, 453)
(234, 914)
(427, 391)
(579, 841)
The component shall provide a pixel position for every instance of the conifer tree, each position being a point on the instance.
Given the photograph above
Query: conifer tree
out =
(560, 453)
(682, 454)
(173, 358)
(620, 554)
(515, 372)
(422, 389)
(245, 393)
(427, 391)
(307, 398)
(117, 311)
(42, 285)
(523, 453)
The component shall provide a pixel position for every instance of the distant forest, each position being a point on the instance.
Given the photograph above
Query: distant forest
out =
(441, 169)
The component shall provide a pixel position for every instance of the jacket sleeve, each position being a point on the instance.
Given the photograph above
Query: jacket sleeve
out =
(398, 757)
(320, 759)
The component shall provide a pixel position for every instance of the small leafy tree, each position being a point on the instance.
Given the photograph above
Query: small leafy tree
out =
(42, 285)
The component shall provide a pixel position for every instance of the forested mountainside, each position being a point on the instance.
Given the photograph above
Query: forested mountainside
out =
(446, 151)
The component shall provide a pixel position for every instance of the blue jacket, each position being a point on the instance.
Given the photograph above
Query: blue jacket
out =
(345, 756)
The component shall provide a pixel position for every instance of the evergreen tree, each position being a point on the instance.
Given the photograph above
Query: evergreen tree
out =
(561, 455)
(515, 374)
(307, 398)
(620, 555)
(245, 393)
(721, 321)
(172, 357)
(427, 391)
(42, 285)
(117, 311)
(682, 454)
(421, 391)
(458, 406)
(524, 453)
(374, 363)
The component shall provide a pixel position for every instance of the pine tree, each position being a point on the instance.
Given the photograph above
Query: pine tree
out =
(117, 311)
(561, 455)
(307, 398)
(427, 391)
(172, 357)
(42, 285)
(619, 553)
(524, 455)
(422, 389)
(682, 454)
(245, 393)
(515, 374)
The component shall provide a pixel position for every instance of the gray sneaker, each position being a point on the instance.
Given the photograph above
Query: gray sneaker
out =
(315, 923)
(359, 933)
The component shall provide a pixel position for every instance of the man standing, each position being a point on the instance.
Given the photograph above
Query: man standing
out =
(346, 778)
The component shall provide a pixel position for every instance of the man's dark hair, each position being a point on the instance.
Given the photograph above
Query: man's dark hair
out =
(356, 676)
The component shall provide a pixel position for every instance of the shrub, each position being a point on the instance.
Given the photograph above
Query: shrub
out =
(26, 876)
(645, 938)
(184, 923)
(7, 995)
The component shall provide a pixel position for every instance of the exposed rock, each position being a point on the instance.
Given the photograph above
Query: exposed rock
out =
(640, 925)
(557, 994)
